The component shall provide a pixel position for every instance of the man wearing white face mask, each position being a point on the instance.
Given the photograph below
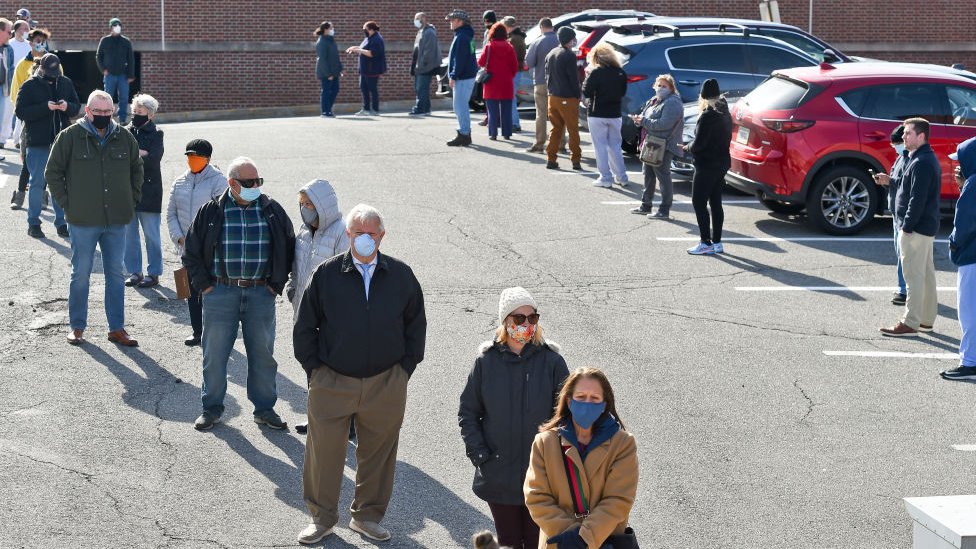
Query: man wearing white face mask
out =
(117, 61)
(359, 335)
(426, 60)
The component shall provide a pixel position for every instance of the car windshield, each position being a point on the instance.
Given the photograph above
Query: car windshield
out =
(777, 93)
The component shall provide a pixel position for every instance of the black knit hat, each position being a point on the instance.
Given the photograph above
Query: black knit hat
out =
(898, 134)
(709, 89)
(199, 147)
(50, 66)
(566, 35)
(490, 16)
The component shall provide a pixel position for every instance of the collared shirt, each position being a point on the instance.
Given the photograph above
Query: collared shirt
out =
(367, 270)
(245, 247)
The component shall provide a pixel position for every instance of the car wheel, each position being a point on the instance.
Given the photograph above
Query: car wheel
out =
(843, 200)
(782, 207)
(629, 147)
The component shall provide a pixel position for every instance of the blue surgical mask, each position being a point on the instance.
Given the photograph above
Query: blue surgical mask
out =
(250, 195)
(585, 414)
(416, 23)
(899, 148)
(364, 245)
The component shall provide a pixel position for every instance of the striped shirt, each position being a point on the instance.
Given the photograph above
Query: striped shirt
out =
(245, 247)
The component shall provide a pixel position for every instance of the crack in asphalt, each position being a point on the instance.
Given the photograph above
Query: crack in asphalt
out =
(172, 538)
(810, 402)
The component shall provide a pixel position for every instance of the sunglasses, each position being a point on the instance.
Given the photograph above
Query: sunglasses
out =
(520, 319)
(249, 183)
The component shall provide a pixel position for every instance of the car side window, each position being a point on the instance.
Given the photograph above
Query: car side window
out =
(709, 57)
(856, 100)
(766, 59)
(962, 102)
(902, 101)
(798, 41)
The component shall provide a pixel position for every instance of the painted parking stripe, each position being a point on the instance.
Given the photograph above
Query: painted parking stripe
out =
(788, 239)
(3, 181)
(637, 202)
(964, 447)
(894, 354)
(839, 289)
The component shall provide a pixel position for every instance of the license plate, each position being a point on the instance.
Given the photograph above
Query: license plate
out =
(742, 136)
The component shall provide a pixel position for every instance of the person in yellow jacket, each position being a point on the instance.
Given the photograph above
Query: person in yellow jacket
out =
(582, 477)
(25, 67)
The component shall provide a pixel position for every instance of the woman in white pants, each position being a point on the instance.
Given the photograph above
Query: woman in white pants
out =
(604, 89)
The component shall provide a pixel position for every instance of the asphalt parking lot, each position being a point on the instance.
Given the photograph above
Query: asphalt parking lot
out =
(769, 411)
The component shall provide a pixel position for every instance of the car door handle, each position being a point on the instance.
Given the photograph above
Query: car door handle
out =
(876, 135)
(689, 82)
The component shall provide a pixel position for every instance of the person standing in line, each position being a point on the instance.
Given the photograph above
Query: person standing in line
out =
(710, 149)
(117, 61)
(7, 66)
(917, 210)
(328, 67)
(426, 60)
(535, 61)
(962, 252)
(95, 172)
(200, 184)
(585, 436)
(663, 117)
(150, 206)
(372, 63)
(23, 70)
(892, 182)
(498, 58)
(21, 40)
(239, 253)
(25, 15)
(462, 67)
(516, 37)
(562, 80)
(489, 18)
(360, 334)
(605, 87)
(510, 391)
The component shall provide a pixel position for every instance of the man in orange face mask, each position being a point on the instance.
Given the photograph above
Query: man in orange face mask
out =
(197, 186)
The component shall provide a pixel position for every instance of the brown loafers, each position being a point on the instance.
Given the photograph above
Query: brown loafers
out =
(120, 337)
(76, 337)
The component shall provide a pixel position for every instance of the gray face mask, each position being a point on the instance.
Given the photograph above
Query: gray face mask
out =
(310, 217)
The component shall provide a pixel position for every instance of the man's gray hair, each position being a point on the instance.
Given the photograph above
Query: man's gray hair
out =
(147, 102)
(233, 170)
(364, 213)
(99, 95)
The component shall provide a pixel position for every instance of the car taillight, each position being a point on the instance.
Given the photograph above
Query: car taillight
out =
(583, 52)
(786, 126)
(631, 78)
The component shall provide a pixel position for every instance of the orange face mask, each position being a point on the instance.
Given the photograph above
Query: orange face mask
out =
(197, 163)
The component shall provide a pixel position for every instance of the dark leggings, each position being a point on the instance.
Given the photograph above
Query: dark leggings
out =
(515, 526)
(24, 174)
(196, 311)
(370, 88)
(706, 189)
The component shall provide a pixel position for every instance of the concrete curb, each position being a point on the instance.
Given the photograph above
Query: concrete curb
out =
(290, 111)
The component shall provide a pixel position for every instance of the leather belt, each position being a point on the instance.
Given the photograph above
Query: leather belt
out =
(242, 282)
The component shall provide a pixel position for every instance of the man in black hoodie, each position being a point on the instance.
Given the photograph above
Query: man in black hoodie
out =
(562, 81)
(917, 213)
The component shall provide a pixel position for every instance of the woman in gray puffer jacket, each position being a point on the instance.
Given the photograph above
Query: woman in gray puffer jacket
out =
(321, 235)
(200, 184)
(663, 117)
(511, 390)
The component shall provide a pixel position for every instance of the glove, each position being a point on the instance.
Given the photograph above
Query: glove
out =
(570, 539)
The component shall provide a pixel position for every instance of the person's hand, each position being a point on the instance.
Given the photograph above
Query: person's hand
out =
(331, 78)
(143, 153)
(131, 80)
(452, 84)
(52, 106)
(105, 72)
(181, 241)
(882, 179)
(570, 539)
(207, 291)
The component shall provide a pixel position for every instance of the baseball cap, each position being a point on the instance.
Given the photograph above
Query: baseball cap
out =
(114, 21)
(199, 147)
(23, 12)
(458, 14)
(50, 65)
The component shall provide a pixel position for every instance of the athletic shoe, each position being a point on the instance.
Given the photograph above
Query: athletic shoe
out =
(603, 184)
(374, 113)
(898, 298)
(622, 183)
(659, 215)
(205, 421)
(702, 249)
(552, 165)
(17, 200)
(640, 210)
(962, 372)
(362, 112)
(719, 249)
(271, 419)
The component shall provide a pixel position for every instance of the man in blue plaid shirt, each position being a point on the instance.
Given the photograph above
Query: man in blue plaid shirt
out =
(239, 253)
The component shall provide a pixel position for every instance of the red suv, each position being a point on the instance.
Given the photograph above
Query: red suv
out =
(807, 138)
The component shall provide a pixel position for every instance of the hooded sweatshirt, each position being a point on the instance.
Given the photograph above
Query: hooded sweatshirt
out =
(461, 64)
(313, 246)
(962, 250)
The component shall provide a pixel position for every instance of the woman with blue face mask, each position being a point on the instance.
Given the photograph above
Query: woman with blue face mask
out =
(582, 477)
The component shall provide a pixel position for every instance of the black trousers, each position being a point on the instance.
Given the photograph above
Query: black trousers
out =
(515, 526)
(195, 305)
(706, 190)
(24, 174)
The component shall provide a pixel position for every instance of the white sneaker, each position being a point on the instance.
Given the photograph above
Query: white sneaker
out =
(313, 533)
(362, 112)
(621, 182)
(602, 184)
(719, 249)
(702, 249)
(370, 529)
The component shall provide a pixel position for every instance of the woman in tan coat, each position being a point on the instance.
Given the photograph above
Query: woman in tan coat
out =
(582, 477)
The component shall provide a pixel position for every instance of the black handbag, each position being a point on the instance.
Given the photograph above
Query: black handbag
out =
(627, 540)
(483, 74)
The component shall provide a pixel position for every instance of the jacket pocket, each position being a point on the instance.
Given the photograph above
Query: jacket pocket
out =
(118, 154)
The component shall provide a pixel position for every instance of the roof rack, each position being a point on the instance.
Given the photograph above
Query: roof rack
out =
(743, 28)
(654, 29)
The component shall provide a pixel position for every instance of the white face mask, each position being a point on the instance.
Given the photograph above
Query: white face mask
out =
(416, 23)
(331, 32)
(24, 34)
(117, 29)
(899, 148)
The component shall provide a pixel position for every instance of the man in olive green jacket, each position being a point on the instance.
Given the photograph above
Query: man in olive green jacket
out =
(95, 174)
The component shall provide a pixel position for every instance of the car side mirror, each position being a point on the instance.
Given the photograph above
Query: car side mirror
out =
(830, 56)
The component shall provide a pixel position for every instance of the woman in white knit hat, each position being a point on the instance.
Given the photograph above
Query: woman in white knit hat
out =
(511, 390)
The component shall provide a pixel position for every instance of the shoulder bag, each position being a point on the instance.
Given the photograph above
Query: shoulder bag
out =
(627, 540)
(483, 74)
(652, 152)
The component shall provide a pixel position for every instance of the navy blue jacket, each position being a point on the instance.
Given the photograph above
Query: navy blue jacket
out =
(897, 172)
(375, 65)
(917, 200)
(461, 64)
(962, 241)
(328, 63)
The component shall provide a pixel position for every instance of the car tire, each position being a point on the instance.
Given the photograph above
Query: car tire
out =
(782, 207)
(843, 200)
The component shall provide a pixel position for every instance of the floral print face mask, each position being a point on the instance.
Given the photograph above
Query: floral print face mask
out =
(522, 333)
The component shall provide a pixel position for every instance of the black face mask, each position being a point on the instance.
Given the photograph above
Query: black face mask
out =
(101, 121)
(139, 120)
(366, 33)
(50, 79)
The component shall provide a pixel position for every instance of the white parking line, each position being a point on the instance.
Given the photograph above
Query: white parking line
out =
(964, 447)
(3, 181)
(636, 202)
(894, 354)
(788, 239)
(827, 288)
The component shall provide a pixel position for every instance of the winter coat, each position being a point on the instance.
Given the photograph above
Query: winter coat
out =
(517, 39)
(897, 172)
(962, 249)
(499, 58)
(188, 193)
(917, 199)
(96, 184)
(22, 72)
(605, 87)
(150, 140)
(115, 54)
(665, 119)
(713, 133)
(328, 63)
(461, 63)
(535, 58)
(608, 475)
(562, 74)
(41, 124)
(426, 52)
(313, 246)
(506, 398)
(375, 65)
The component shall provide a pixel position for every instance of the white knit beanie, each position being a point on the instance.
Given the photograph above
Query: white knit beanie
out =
(511, 299)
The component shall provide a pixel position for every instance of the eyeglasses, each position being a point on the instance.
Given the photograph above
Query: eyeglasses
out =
(249, 183)
(102, 112)
(520, 319)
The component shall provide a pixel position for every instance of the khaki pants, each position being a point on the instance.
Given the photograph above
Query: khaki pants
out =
(541, 114)
(378, 403)
(564, 115)
(918, 265)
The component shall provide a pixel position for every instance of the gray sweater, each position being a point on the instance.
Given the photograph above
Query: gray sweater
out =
(535, 58)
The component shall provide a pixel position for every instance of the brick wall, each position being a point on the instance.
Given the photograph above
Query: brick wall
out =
(201, 66)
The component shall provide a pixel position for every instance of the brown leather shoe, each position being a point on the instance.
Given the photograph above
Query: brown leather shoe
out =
(76, 337)
(120, 337)
(899, 330)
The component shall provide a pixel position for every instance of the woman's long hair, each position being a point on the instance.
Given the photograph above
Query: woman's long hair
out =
(498, 32)
(563, 415)
(604, 56)
(704, 104)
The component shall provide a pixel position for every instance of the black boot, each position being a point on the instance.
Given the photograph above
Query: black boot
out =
(460, 141)
(467, 139)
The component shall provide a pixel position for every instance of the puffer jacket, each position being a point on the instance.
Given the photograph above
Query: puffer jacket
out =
(506, 398)
(665, 119)
(313, 246)
(187, 195)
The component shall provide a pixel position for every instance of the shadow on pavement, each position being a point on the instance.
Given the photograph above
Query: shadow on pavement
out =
(783, 276)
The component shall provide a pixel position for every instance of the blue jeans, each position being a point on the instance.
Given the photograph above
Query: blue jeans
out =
(111, 241)
(133, 246)
(902, 288)
(462, 110)
(499, 114)
(605, 133)
(118, 83)
(370, 88)
(330, 90)
(966, 309)
(421, 87)
(515, 116)
(224, 308)
(36, 159)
